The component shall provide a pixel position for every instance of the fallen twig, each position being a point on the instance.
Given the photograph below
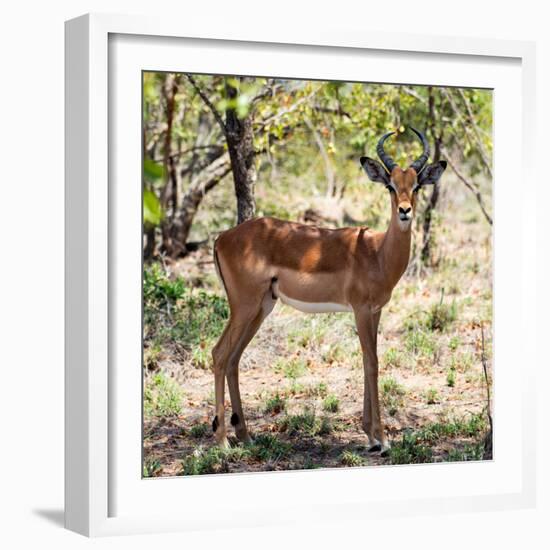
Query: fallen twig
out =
(488, 452)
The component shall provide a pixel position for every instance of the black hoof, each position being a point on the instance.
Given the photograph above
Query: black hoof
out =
(375, 448)
(385, 453)
(234, 419)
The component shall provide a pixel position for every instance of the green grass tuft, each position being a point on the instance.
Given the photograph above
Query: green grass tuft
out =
(275, 404)
(416, 447)
(451, 377)
(318, 390)
(392, 394)
(467, 453)
(331, 403)
(267, 447)
(420, 343)
(454, 343)
(291, 369)
(152, 468)
(410, 450)
(307, 423)
(212, 461)
(349, 458)
(199, 430)
(161, 396)
(441, 316)
(393, 358)
(432, 396)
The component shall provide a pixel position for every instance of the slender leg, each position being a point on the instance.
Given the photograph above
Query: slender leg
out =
(237, 418)
(242, 326)
(375, 403)
(367, 328)
(219, 355)
(222, 354)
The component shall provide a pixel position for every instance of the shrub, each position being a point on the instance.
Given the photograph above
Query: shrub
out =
(176, 315)
(159, 289)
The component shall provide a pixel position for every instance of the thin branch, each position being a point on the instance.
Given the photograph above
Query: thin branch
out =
(484, 363)
(412, 93)
(469, 185)
(476, 128)
(488, 443)
(183, 152)
(329, 172)
(288, 110)
(328, 110)
(207, 102)
(268, 90)
(472, 126)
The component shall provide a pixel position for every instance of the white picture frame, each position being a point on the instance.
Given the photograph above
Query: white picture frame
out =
(104, 490)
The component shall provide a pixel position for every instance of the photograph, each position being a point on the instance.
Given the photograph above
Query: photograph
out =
(275, 275)
(317, 286)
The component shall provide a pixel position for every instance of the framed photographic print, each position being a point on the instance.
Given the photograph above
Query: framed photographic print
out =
(296, 269)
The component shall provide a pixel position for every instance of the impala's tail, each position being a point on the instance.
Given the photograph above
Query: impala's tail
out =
(218, 268)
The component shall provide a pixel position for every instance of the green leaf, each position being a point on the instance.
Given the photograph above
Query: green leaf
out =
(152, 170)
(243, 101)
(152, 210)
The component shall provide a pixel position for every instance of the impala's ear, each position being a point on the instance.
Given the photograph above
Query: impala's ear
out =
(375, 170)
(432, 173)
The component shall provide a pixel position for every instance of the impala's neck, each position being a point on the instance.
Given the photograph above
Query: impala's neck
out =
(395, 249)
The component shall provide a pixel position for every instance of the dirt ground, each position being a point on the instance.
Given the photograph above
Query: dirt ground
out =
(432, 380)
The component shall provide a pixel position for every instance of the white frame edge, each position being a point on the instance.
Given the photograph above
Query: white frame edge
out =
(86, 238)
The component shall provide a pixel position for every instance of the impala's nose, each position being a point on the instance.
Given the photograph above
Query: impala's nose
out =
(405, 212)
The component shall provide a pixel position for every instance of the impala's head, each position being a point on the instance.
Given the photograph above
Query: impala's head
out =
(403, 184)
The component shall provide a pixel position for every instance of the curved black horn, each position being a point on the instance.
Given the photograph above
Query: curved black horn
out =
(389, 163)
(419, 163)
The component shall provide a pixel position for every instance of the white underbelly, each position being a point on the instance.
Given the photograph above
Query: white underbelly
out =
(313, 307)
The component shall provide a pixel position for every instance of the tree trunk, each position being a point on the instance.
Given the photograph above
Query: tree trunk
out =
(204, 182)
(149, 249)
(240, 143)
(169, 191)
(427, 239)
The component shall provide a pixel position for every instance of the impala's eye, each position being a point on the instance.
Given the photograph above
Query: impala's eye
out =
(416, 188)
(390, 188)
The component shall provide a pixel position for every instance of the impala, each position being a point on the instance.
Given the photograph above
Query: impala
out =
(317, 270)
